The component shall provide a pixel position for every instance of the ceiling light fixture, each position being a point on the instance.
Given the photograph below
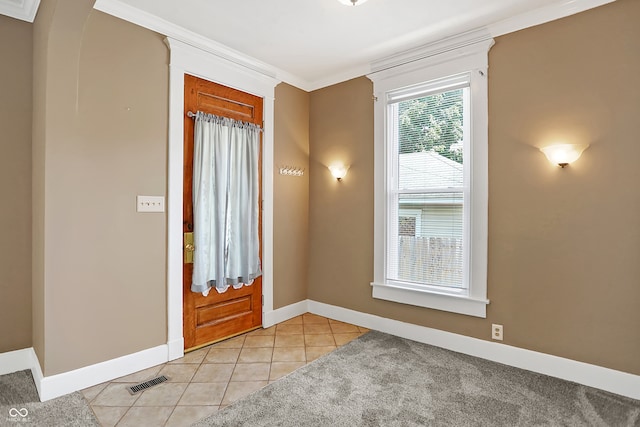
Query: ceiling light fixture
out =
(352, 2)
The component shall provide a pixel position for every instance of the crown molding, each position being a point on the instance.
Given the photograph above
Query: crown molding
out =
(532, 18)
(24, 10)
(538, 16)
(151, 22)
(454, 43)
(339, 77)
(484, 34)
(543, 15)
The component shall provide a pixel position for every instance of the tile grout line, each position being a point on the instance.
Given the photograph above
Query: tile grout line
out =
(132, 403)
(122, 417)
(182, 394)
(315, 320)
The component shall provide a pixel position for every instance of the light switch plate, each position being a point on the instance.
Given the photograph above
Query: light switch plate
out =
(150, 204)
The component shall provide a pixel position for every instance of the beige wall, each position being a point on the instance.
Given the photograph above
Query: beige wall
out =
(41, 28)
(15, 184)
(563, 244)
(341, 213)
(291, 196)
(103, 140)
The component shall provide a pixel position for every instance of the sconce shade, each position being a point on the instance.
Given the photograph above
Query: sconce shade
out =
(338, 171)
(563, 154)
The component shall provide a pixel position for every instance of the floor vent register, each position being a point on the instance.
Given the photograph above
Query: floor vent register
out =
(134, 389)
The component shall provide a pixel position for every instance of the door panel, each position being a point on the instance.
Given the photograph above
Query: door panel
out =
(217, 316)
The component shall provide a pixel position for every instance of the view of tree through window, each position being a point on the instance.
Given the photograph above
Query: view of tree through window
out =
(430, 152)
(430, 134)
(432, 123)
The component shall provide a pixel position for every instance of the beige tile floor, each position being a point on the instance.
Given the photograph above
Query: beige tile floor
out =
(207, 380)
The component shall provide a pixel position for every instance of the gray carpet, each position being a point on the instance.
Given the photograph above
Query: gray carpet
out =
(20, 405)
(382, 380)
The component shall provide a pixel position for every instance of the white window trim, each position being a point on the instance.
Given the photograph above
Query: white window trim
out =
(473, 57)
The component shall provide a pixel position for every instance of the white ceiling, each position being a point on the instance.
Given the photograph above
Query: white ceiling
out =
(314, 43)
(20, 9)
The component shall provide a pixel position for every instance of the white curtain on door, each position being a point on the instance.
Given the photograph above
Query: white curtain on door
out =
(225, 203)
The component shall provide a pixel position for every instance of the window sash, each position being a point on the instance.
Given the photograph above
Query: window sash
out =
(443, 245)
(394, 193)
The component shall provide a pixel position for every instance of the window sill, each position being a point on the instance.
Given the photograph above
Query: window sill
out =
(424, 298)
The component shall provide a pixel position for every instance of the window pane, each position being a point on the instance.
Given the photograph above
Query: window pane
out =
(433, 255)
(433, 124)
(407, 226)
(428, 169)
(430, 140)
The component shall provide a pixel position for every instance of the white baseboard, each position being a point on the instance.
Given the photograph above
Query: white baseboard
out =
(19, 360)
(176, 349)
(285, 313)
(58, 385)
(14, 361)
(36, 371)
(607, 379)
(54, 386)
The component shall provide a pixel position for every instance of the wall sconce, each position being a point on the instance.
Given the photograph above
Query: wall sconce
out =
(338, 171)
(563, 154)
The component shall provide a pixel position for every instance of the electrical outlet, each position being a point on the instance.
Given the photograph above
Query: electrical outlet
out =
(496, 332)
(150, 204)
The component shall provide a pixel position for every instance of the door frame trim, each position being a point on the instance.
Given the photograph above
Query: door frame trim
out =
(187, 59)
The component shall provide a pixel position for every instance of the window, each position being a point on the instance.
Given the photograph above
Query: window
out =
(431, 181)
(409, 222)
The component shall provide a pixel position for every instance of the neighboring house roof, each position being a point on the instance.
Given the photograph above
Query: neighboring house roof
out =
(428, 169)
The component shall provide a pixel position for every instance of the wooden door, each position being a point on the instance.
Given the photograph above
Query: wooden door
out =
(217, 316)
